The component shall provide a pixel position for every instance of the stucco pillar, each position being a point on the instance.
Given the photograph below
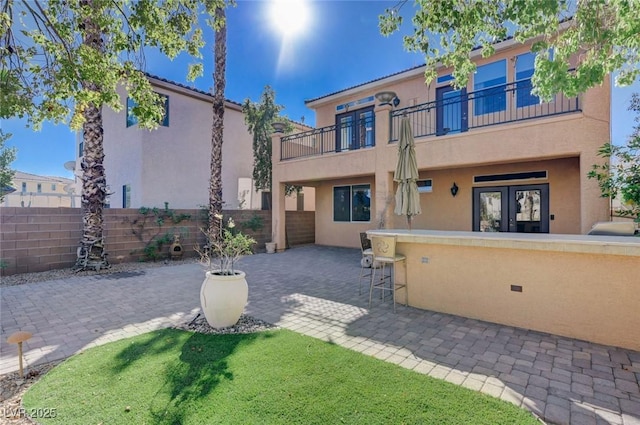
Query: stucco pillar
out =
(383, 195)
(596, 107)
(278, 216)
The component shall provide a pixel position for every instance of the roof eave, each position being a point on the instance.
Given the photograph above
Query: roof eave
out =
(410, 73)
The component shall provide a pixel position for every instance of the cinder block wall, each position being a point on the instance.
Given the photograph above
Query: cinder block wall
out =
(301, 227)
(40, 239)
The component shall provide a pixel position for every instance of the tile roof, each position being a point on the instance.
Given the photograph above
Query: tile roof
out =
(364, 84)
(184, 86)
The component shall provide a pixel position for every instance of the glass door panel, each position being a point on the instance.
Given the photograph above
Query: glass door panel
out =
(345, 134)
(490, 211)
(451, 110)
(529, 209)
(365, 131)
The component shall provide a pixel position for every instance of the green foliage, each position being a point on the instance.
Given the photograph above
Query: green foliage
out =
(7, 156)
(50, 71)
(259, 117)
(619, 177)
(148, 228)
(602, 37)
(274, 377)
(225, 246)
(255, 223)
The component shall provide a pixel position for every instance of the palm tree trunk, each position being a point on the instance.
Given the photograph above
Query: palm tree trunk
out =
(215, 183)
(91, 253)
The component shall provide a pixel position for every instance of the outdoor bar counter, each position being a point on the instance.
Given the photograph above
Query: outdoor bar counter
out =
(584, 287)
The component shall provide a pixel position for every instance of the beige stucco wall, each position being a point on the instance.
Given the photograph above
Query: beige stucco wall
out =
(590, 296)
(52, 192)
(563, 145)
(564, 195)
(172, 163)
(333, 233)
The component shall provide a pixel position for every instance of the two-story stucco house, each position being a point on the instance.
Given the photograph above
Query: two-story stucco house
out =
(491, 156)
(172, 163)
(32, 190)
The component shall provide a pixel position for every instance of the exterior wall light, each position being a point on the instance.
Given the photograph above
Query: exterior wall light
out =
(278, 127)
(387, 98)
(454, 189)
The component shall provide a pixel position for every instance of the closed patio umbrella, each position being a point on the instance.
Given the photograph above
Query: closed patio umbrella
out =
(407, 195)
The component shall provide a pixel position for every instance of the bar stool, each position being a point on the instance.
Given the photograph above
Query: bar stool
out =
(384, 252)
(366, 261)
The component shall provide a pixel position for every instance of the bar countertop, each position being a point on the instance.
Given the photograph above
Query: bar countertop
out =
(589, 244)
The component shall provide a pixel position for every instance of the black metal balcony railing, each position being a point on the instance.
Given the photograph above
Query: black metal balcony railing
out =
(497, 105)
(457, 113)
(346, 137)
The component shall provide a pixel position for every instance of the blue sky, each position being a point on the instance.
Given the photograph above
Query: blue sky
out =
(340, 47)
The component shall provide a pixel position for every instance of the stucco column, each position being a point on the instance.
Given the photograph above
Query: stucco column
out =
(278, 217)
(383, 195)
(596, 107)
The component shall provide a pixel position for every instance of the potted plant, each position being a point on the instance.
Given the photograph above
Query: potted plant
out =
(271, 246)
(224, 292)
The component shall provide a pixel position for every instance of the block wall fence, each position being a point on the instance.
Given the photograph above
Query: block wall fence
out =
(41, 239)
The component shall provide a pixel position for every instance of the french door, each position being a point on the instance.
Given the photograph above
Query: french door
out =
(523, 209)
(451, 110)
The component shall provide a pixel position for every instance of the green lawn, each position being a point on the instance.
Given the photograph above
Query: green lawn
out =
(275, 377)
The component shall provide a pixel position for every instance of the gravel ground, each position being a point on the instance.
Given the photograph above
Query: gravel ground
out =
(19, 279)
(12, 386)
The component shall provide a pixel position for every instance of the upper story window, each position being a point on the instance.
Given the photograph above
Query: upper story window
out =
(524, 70)
(132, 120)
(490, 80)
(355, 130)
(126, 196)
(39, 190)
(24, 187)
(352, 203)
(53, 187)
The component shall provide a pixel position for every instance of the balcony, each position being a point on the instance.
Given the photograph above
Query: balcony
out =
(347, 136)
(456, 111)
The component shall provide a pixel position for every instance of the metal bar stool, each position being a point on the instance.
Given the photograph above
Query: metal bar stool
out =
(384, 252)
(367, 260)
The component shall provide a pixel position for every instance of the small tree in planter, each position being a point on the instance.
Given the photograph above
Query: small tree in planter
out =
(224, 292)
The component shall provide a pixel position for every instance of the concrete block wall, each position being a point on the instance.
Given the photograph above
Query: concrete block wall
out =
(301, 227)
(41, 239)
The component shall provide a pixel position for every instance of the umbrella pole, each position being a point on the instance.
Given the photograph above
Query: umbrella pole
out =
(409, 221)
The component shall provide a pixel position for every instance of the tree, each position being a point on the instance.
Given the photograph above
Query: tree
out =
(259, 117)
(219, 24)
(7, 156)
(63, 61)
(620, 175)
(600, 36)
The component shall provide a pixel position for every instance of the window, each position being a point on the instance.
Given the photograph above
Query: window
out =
(24, 187)
(352, 203)
(425, 186)
(81, 150)
(126, 196)
(524, 71)
(39, 188)
(355, 130)
(132, 120)
(53, 187)
(489, 83)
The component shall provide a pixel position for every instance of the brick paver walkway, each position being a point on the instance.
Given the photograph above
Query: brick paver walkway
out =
(314, 290)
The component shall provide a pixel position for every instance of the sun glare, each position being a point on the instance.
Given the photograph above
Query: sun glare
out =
(289, 17)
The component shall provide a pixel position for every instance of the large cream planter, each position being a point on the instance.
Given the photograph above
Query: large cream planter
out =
(223, 298)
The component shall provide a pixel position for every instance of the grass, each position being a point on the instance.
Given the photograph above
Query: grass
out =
(277, 377)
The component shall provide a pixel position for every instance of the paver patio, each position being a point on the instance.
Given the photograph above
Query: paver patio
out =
(314, 290)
